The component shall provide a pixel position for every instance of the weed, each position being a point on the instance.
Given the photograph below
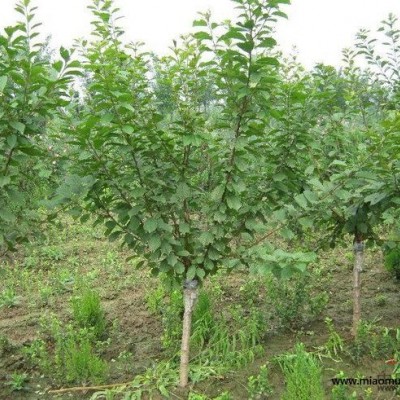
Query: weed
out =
(9, 298)
(259, 387)
(293, 300)
(374, 341)
(157, 379)
(80, 363)
(17, 381)
(303, 375)
(342, 392)
(69, 354)
(172, 321)
(53, 253)
(155, 299)
(88, 313)
(37, 354)
(5, 344)
(380, 300)
(250, 291)
(31, 262)
(334, 345)
(223, 396)
(125, 359)
(392, 260)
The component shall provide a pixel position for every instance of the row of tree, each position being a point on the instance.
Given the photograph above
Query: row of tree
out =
(199, 159)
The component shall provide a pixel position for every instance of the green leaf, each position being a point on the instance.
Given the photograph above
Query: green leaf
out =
(107, 118)
(202, 36)
(206, 238)
(199, 22)
(19, 126)
(6, 215)
(191, 273)
(246, 46)
(184, 228)
(12, 140)
(301, 200)
(150, 225)
(306, 222)
(200, 273)
(217, 193)
(3, 82)
(375, 198)
(233, 202)
(64, 53)
(154, 243)
(179, 268)
(268, 43)
(128, 129)
(4, 180)
(287, 233)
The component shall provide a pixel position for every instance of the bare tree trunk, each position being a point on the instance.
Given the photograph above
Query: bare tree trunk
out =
(190, 293)
(358, 266)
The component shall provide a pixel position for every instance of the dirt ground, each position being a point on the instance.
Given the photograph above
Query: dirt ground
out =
(135, 329)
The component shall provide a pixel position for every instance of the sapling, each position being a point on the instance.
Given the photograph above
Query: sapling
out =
(185, 189)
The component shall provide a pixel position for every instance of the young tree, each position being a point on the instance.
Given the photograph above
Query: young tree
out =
(31, 90)
(184, 190)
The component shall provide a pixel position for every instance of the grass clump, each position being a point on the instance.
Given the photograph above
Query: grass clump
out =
(303, 375)
(88, 312)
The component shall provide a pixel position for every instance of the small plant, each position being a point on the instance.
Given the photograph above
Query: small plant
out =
(334, 345)
(250, 291)
(17, 381)
(5, 344)
(380, 300)
(223, 396)
(155, 299)
(303, 375)
(9, 298)
(341, 391)
(197, 396)
(259, 387)
(31, 262)
(293, 300)
(68, 354)
(80, 362)
(37, 354)
(125, 358)
(374, 341)
(392, 261)
(88, 313)
(53, 253)
(171, 319)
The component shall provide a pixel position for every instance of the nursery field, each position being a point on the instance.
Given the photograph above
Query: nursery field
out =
(218, 222)
(74, 312)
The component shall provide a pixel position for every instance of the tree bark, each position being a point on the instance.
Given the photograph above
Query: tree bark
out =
(358, 266)
(190, 293)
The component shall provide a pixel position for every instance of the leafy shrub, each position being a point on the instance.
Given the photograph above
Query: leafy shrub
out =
(373, 341)
(392, 261)
(17, 381)
(88, 313)
(259, 387)
(303, 375)
(81, 364)
(294, 301)
(342, 392)
(68, 354)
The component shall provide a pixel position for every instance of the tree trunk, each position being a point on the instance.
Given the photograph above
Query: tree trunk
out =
(358, 266)
(190, 293)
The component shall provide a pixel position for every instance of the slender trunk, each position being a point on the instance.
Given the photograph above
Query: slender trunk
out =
(190, 293)
(358, 266)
